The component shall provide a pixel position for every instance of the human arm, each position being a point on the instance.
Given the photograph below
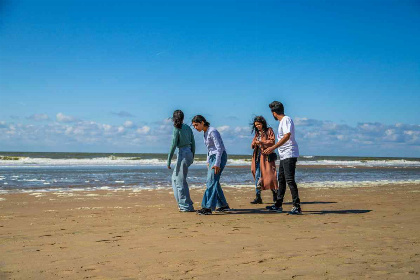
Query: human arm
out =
(285, 129)
(269, 139)
(283, 140)
(217, 140)
(254, 142)
(192, 144)
(175, 139)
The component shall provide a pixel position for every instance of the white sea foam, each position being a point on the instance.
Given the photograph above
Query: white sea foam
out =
(33, 180)
(323, 184)
(355, 184)
(101, 161)
(129, 161)
(362, 163)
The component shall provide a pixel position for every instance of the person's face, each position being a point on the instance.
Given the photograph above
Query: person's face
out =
(198, 126)
(275, 116)
(258, 125)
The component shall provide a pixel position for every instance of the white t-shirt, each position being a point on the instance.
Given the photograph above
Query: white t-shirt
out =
(289, 149)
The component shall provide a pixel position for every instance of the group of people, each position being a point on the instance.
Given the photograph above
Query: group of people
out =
(263, 165)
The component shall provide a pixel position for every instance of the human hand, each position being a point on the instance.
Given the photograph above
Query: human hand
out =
(216, 169)
(268, 151)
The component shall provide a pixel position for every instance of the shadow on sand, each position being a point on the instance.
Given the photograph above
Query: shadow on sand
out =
(322, 212)
(311, 202)
(303, 203)
(313, 212)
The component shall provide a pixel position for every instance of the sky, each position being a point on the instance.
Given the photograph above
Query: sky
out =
(105, 76)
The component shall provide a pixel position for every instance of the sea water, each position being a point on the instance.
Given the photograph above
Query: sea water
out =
(29, 172)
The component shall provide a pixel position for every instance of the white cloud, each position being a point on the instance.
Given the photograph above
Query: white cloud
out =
(380, 138)
(107, 127)
(38, 117)
(236, 134)
(143, 130)
(60, 117)
(223, 128)
(313, 136)
(128, 124)
(307, 122)
(122, 114)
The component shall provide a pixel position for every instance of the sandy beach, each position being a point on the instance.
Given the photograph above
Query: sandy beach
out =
(351, 233)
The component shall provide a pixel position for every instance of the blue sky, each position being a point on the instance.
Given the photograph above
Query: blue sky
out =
(104, 76)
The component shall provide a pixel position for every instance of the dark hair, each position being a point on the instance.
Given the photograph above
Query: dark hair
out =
(178, 118)
(277, 107)
(259, 119)
(199, 119)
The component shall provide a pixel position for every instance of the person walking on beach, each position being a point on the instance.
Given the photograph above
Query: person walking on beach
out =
(289, 152)
(183, 138)
(263, 167)
(216, 161)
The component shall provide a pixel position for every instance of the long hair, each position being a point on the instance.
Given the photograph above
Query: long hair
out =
(178, 118)
(261, 120)
(199, 119)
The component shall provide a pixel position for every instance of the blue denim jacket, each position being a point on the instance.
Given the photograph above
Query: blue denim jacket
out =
(214, 144)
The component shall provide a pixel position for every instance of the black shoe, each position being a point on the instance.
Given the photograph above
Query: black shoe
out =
(296, 210)
(274, 208)
(186, 210)
(257, 200)
(204, 211)
(223, 209)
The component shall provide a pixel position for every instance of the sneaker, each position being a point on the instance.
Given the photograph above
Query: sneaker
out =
(181, 210)
(204, 211)
(222, 209)
(296, 211)
(257, 200)
(274, 208)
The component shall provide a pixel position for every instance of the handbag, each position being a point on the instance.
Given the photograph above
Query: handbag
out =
(272, 157)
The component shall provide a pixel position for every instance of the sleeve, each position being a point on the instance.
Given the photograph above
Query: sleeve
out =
(207, 159)
(287, 125)
(192, 143)
(217, 139)
(175, 139)
(253, 141)
(269, 140)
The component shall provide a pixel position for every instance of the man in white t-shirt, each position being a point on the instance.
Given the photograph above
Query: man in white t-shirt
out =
(289, 152)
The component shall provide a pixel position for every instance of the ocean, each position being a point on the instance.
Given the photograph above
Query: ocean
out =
(43, 172)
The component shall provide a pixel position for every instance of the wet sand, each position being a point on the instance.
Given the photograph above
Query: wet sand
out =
(348, 233)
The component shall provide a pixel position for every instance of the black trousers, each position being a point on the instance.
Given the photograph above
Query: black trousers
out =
(285, 175)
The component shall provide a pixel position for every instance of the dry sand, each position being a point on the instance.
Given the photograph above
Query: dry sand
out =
(352, 233)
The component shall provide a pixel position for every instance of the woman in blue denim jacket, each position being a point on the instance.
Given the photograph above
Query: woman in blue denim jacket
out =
(216, 162)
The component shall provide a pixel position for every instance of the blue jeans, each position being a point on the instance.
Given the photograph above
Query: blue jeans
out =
(179, 179)
(257, 176)
(213, 196)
